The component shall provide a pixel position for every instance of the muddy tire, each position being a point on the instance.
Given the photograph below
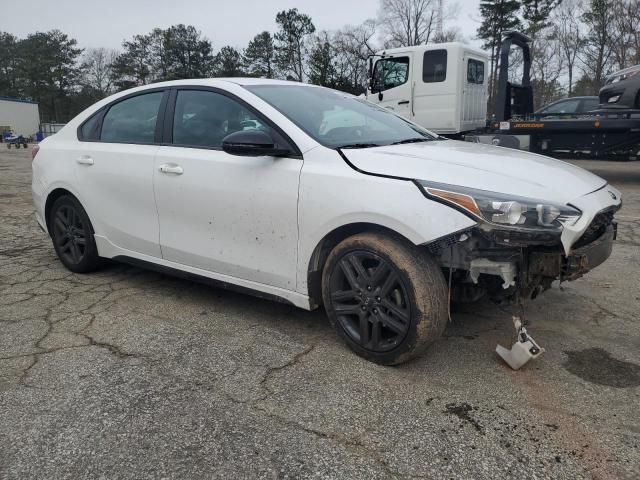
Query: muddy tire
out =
(385, 297)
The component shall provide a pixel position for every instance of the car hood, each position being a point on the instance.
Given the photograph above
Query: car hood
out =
(479, 166)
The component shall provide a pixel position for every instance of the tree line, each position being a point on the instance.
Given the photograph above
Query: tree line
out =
(575, 44)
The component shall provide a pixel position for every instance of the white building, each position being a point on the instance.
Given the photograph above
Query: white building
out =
(20, 116)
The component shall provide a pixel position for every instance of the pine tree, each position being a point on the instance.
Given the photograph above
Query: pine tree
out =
(498, 17)
(291, 38)
(259, 56)
(536, 14)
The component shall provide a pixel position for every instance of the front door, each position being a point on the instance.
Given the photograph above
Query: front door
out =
(227, 214)
(391, 85)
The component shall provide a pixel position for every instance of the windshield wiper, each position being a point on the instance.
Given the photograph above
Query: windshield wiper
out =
(359, 145)
(412, 140)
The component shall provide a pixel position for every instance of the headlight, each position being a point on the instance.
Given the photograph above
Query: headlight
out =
(506, 211)
(623, 75)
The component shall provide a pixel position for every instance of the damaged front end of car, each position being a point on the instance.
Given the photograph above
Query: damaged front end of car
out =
(519, 246)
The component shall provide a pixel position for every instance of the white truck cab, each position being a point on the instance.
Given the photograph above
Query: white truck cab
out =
(442, 87)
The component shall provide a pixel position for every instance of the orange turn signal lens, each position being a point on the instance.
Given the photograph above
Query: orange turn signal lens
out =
(464, 201)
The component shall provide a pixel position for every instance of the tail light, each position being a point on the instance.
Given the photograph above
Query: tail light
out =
(34, 151)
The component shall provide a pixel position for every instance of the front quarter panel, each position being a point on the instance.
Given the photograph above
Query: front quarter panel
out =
(333, 194)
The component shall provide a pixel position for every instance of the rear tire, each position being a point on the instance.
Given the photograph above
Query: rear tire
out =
(72, 235)
(385, 297)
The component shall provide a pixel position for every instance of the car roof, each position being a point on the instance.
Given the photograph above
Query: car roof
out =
(221, 80)
(623, 71)
(589, 97)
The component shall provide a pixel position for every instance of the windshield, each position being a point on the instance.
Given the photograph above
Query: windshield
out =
(339, 120)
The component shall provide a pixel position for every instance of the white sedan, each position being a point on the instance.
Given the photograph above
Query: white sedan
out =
(315, 197)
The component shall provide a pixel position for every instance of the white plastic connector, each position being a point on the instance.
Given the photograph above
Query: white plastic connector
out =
(523, 351)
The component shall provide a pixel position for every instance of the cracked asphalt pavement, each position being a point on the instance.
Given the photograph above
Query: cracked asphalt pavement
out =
(127, 373)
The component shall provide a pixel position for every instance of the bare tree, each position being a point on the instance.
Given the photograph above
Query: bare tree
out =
(626, 33)
(97, 71)
(451, 34)
(547, 68)
(596, 54)
(354, 45)
(408, 22)
(568, 35)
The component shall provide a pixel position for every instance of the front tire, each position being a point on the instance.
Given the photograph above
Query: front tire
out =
(385, 297)
(72, 235)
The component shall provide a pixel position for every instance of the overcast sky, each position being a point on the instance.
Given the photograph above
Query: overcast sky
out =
(107, 23)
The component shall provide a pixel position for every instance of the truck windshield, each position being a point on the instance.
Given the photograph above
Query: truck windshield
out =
(339, 120)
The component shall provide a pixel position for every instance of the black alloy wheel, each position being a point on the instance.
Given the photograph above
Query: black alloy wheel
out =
(72, 235)
(386, 297)
(370, 301)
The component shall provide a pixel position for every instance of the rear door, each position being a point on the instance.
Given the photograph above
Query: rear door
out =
(228, 214)
(114, 167)
(391, 85)
(436, 94)
(474, 101)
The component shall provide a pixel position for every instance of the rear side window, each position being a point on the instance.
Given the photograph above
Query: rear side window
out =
(565, 106)
(132, 120)
(590, 104)
(90, 129)
(390, 73)
(475, 71)
(434, 66)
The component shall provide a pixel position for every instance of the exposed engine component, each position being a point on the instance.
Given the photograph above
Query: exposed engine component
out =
(506, 270)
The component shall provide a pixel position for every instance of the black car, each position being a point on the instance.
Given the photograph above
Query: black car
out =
(622, 89)
(572, 105)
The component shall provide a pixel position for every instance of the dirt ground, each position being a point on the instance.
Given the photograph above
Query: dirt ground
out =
(127, 373)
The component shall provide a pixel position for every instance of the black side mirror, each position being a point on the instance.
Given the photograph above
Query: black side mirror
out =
(252, 143)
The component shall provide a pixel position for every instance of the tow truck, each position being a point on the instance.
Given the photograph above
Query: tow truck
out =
(443, 87)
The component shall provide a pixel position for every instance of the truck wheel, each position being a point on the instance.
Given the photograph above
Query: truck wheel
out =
(385, 297)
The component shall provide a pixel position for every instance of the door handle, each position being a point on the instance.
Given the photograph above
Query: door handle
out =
(84, 160)
(403, 102)
(171, 168)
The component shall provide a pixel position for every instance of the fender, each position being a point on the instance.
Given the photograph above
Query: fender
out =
(393, 203)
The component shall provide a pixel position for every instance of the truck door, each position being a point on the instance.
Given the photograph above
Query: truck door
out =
(474, 94)
(391, 84)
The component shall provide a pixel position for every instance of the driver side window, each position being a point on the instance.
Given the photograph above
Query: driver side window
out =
(390, 73)
(203, 118)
